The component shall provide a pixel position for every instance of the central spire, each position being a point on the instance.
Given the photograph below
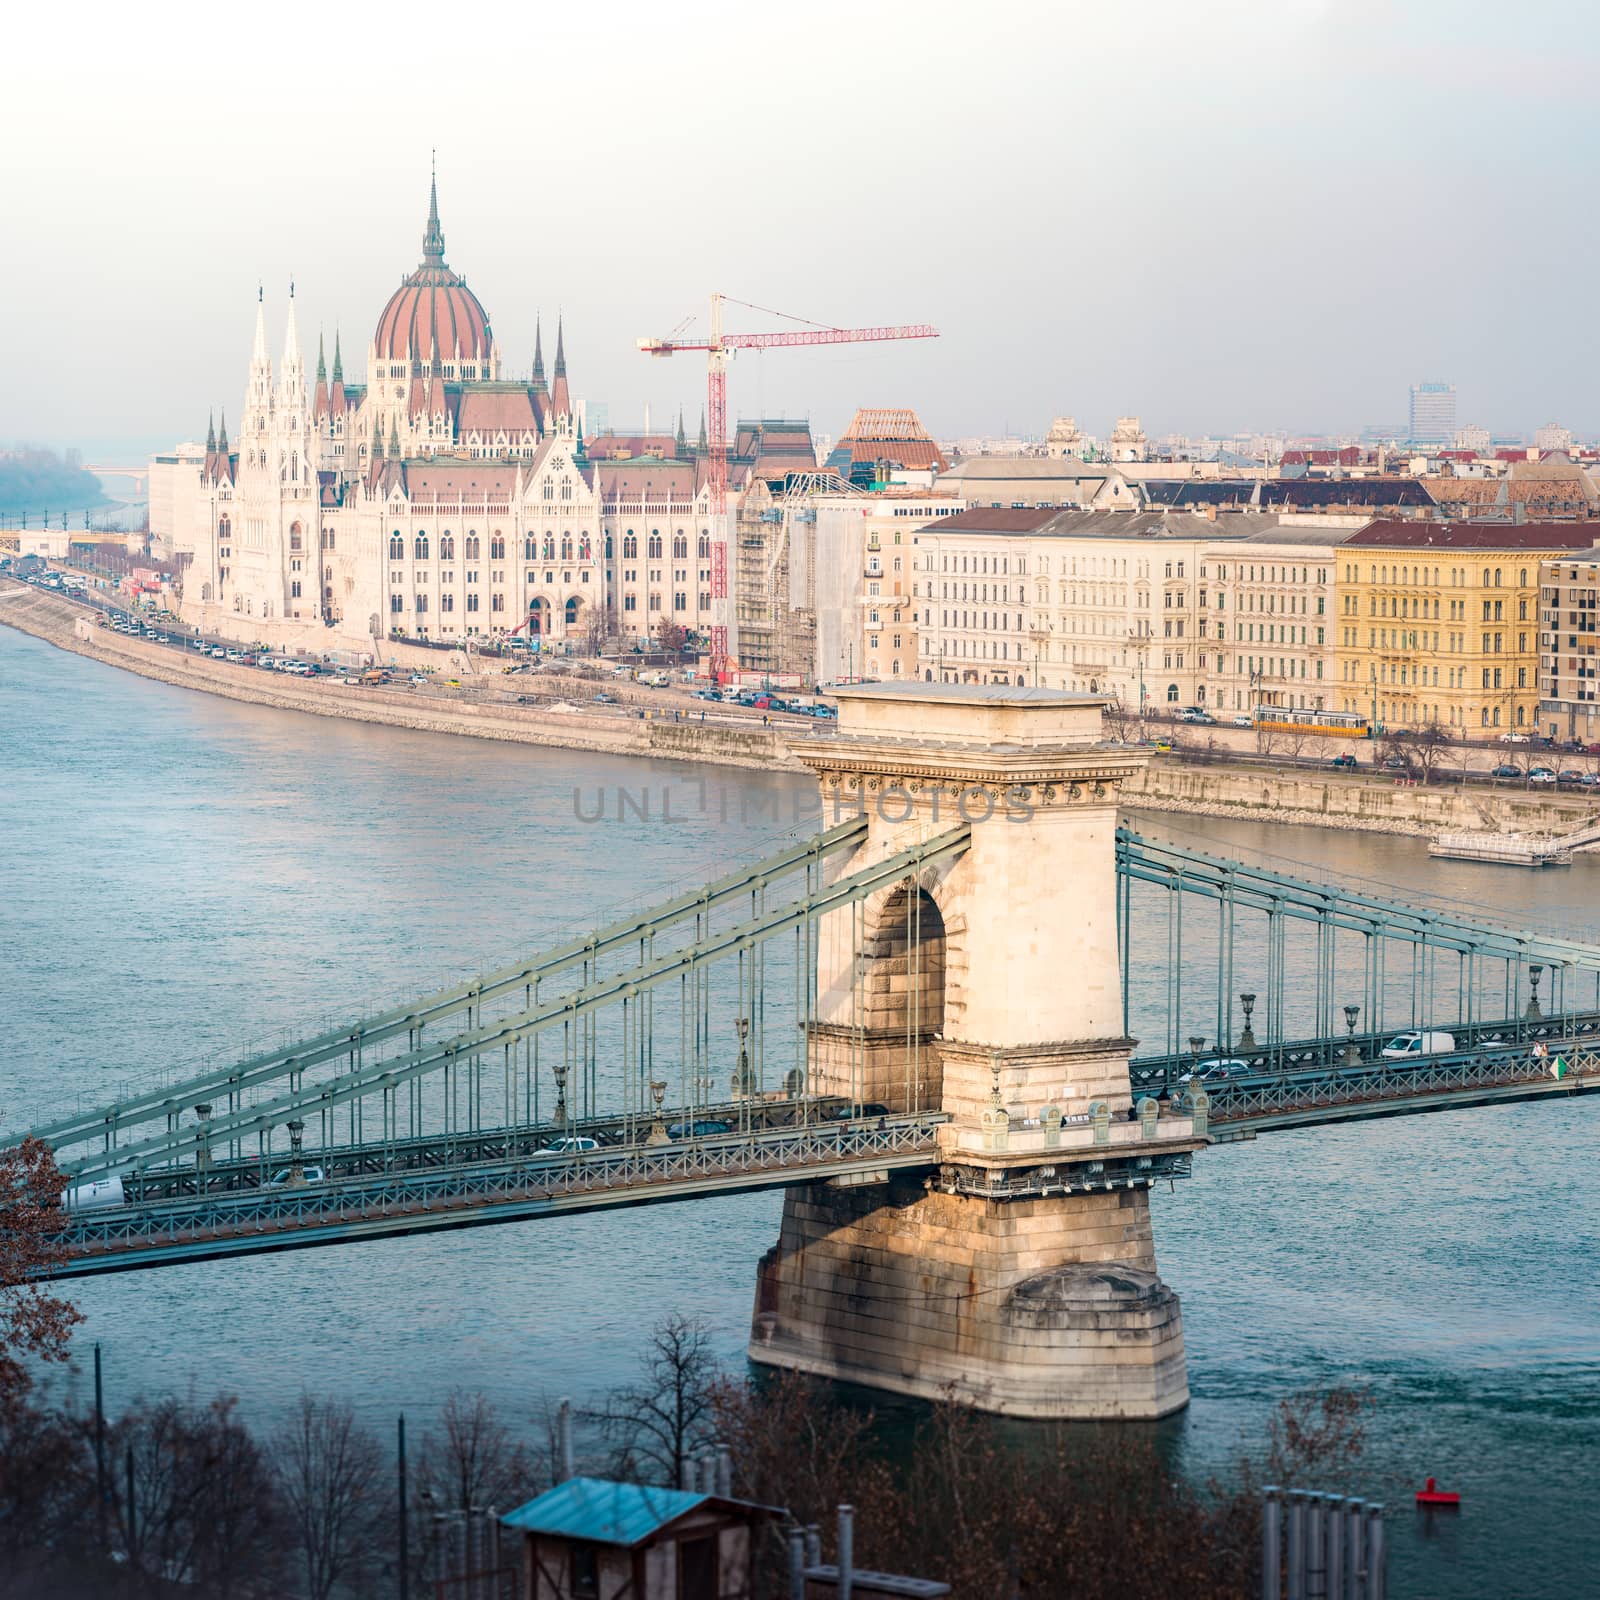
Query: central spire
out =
(433, 237)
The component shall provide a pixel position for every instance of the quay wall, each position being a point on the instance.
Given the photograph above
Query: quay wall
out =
(1360, 802)
(71, 627)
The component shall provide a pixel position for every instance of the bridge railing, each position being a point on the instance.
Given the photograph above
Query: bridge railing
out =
(687, 1166)
(1243, 1099)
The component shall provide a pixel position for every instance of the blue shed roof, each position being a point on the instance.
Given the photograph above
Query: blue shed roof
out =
(603, 1512)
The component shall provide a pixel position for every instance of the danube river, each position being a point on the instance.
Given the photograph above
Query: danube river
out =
(180, 875)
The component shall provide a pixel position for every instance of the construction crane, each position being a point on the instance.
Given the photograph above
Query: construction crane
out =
(718, 348)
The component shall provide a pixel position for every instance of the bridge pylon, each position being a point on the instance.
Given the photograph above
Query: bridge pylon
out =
(1019, 1273)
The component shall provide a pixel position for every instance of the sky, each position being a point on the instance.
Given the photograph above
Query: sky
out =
(1217, 214)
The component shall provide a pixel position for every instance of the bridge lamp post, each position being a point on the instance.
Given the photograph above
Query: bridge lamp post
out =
(560, 1070)
(1535, 972)
(202, 1154)
(1197, 1043)
(658, 1128)
(1247, 1039)
(297, 1173)
(1352, 1051)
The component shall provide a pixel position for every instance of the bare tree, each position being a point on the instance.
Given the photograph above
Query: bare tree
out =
(470, 1458)
(330, 1479)
(201, 1507)
(660, 1422)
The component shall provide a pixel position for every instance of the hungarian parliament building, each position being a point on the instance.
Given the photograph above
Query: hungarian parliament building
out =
(441, 499)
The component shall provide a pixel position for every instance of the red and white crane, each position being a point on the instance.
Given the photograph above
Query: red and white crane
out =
(718, 347)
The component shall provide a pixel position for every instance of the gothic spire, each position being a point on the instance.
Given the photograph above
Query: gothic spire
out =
(222, 434)
(538, 355)
(322, 366)
(682, 440)
(338, 361)
(433, 235)
(394, 440)
(701, 447)
(258, 351)
(211, 434)
(561, 353)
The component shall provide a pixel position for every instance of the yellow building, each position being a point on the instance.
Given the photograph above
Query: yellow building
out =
(1437, 622)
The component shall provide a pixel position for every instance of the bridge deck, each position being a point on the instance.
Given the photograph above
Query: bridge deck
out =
(243, 1223)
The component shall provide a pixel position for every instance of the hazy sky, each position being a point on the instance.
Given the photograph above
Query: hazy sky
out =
(1216, 213)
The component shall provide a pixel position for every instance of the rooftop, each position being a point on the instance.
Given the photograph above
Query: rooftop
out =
(602, 1512)
(1477, 535)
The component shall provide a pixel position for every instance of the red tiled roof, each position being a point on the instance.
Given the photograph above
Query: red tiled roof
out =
(472, 481)
(1523, 536)
(496, 411)
(645, 480)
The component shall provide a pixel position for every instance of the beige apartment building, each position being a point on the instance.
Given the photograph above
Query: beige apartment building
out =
(1270, 615)
(1115, 603)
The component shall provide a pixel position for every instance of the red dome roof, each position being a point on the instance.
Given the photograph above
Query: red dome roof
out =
(433, 303)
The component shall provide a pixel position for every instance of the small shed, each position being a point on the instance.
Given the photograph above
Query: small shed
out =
(592, 1539)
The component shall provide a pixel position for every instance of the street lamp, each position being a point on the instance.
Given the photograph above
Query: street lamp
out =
(297, 1172)
(1352, 1051)
(1247, 1039)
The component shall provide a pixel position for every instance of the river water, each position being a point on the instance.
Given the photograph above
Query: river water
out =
(181, 875)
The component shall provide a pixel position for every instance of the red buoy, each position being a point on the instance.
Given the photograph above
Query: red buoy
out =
(1430, 1495)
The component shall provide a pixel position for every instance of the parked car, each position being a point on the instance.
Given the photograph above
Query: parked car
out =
(572, 1145)
(1217, 1067)
(1541, 775)
(1243, 720)
(605, 699)
(1506, 770)
(1409, 1046)
(280, 1179)
(1514, 738)
(1344, 760)
(846, 1112)
(1165, 747)
(1196, 714)
(702, 1129)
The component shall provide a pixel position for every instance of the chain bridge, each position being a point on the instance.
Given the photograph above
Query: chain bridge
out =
(966, 1029)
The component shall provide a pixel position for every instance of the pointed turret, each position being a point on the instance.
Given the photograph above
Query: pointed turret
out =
(539, 386)
(433, 234)
(682, 442)
(337, 403)
(320, 399)
(211, 433)
(222, 433)
(394, 440)
(701, 446)
(560, 399)
(258, 351)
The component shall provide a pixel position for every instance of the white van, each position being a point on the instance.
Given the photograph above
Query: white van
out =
(95, 1195)
(1408, 1046)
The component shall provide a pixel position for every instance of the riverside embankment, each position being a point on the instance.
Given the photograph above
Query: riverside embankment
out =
(475, 714)
(1360, 802)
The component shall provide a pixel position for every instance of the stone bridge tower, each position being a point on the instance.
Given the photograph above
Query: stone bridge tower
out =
(1021, 1272)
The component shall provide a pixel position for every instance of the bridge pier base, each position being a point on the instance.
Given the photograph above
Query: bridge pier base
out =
(1039, 1307)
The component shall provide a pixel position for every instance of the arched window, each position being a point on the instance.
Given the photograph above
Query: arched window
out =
(630, 546)
(497, 546)
(654, 547)
(530, 548)
(680, 548)
(609, 551)
(572, 611)
(397, 548)
(705, 555)
(1172, 694)
(296, 539)
(472, 547)
(549, 547)
(422, 547)
(447, 546)
(566, 547)
(585, 551)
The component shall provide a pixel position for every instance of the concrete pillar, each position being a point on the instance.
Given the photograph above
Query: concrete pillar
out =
(1020, 1270)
